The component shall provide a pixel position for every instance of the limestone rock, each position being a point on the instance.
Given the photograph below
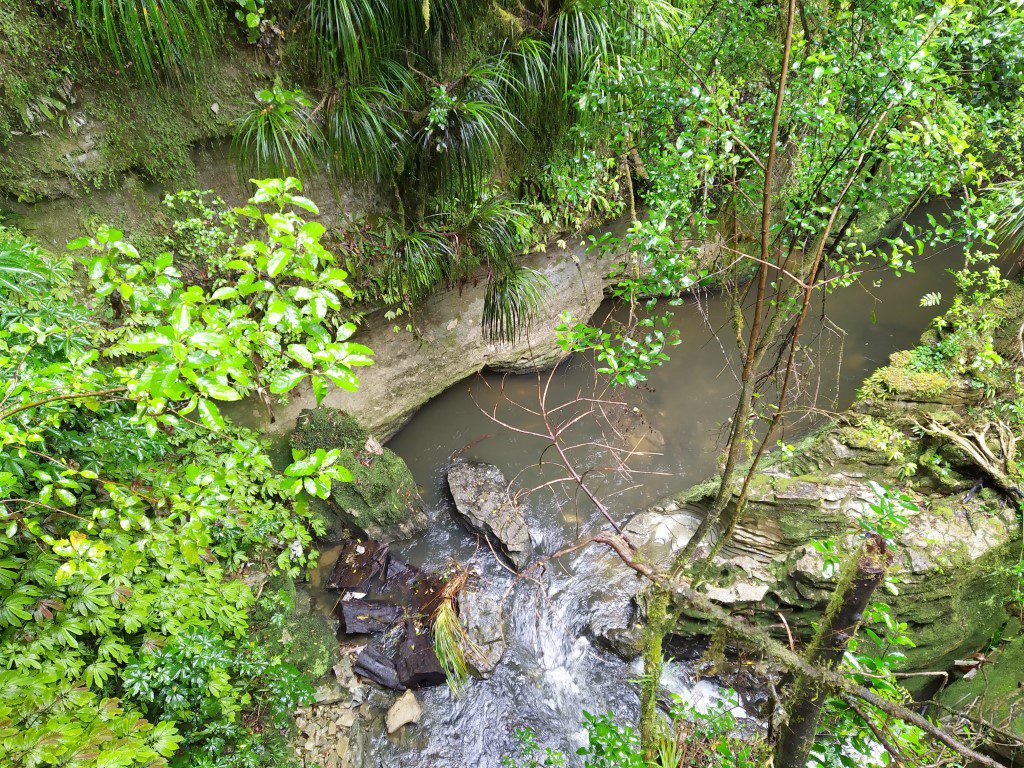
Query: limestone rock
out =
(404, 711)
(483, 620)
(481, 499)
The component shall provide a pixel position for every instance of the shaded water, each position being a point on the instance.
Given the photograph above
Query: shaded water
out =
(553, 670)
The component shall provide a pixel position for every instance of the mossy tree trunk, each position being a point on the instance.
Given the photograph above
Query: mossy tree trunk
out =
(861, 577)
(654, 635)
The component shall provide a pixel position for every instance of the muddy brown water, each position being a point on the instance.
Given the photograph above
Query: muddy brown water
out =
(686, 402)
(553, 670)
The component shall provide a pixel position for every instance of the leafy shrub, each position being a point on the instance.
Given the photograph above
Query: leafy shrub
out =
(203, 682)
(129, 507)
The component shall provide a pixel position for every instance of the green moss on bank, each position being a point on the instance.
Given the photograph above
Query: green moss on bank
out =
(69, 122)
(382, 492)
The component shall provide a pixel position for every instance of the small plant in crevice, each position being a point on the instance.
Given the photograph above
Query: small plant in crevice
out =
(278, 136)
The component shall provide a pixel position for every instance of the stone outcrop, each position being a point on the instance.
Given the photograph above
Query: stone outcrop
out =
(449, 343)
(381, 499)
(482, 617)
(993, 693)
(953, 585)
(481, 498)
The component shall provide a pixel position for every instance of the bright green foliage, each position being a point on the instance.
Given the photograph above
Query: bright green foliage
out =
(153, 38)
(263, 327)
(125, 521)
(877, 113)
(277, 137)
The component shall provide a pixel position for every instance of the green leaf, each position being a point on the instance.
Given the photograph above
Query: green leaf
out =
(217, 387)
(278, 261)
(209, 413)
(343, 378)
(286, 381)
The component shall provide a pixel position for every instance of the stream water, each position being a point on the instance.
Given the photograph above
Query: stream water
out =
(552, 670)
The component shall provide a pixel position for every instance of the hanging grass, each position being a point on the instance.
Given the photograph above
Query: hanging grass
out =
(452, 644)
(365, 128)
(460, 140)
(419, 262)
(278, 136)
(155, 39)
(512, 302)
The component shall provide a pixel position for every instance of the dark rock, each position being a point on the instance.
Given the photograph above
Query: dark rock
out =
(481, 497)
(368, 617)
(361, 566)
(416, 662)
(376, 665)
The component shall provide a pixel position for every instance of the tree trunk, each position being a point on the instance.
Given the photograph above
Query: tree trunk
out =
(861, 577)
(654, 634)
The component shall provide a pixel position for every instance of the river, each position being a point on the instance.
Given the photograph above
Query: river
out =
(553, 671)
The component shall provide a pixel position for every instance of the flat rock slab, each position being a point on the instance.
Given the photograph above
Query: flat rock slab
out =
(361, 566)
(368, 617)
(404, 711)
(481, 498)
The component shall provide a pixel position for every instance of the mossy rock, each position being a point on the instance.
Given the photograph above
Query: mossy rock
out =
(995, 694)
(287, 625)
(901, 382)
(310, 644)
(381, 499)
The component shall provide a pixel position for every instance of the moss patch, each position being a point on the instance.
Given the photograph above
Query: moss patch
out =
(287, 625)
(382, 492)
(996, 692)
(898, 380)
(114, 127)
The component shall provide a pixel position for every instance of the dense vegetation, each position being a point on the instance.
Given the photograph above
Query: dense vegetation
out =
(761, 148)
(134, 517)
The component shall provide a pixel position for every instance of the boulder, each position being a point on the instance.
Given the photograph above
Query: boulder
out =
(404, 711)
(482, 618)
(994, 693)
(481, 498)
(368, 617)
(381, 500)
(415, 661)
(361, 567)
